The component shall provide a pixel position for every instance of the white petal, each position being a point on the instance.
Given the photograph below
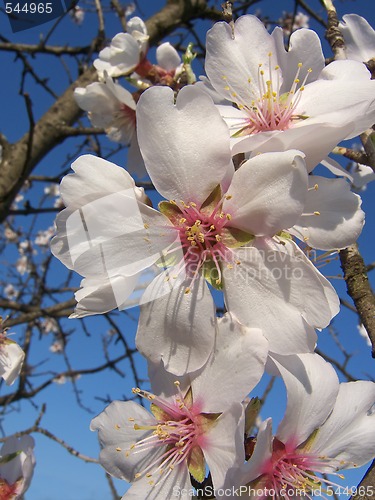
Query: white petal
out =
(340, 221)
(136, 24)
(348, 434)
(268, 193)
(98, 296)
(305, 48)
(167, 57)
(11, 360)
(359, 37)
(335, 167)
(177, 484)
(21, 466)
(178, 328)
(223, 444)
(274, 291)
(135, 161)
(182, 143)
(312, 386)
(121, 57)
(237, 364)
(262, 453)
(234, 57)
(117, 434)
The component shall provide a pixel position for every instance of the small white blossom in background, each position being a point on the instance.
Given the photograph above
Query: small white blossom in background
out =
(57, 347)
(301, 20)
(43, 237)
(11, 357)
(129, 9)
(53, 190)
(23, 265)
(10, 235)
(77, 15)
(63, 379)
(17, 464)
(48, 325)
(10, 292)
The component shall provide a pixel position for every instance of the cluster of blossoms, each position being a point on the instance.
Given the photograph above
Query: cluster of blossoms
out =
(247, 232)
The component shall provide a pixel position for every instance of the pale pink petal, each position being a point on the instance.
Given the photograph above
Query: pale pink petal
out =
(11, 360)
(176, 155)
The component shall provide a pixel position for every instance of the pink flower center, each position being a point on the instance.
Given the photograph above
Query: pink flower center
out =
(178, 431)
(8, 491)
(292, 471)
(201, 237)
(265, 107)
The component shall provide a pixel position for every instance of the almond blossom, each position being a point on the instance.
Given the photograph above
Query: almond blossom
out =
(359, 38)
(191, 425)
(112, 107)
(230, 228)
(286, 99)
(11, 357)
(17, 463)
(327, 427)
(126, 50)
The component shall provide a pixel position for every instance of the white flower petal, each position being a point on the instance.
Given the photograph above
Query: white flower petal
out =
(312, 386)
(115, 426)
(11, 360)
(178, 328)
(305, 48)
(268, 193)
(359, 37)
(167, 57)
(277, 290)
(177, 144)
(348, 435)
(240, 351)
(223, 444)
(234, 57)
(121, 57)
(178, 480)
(340, 221)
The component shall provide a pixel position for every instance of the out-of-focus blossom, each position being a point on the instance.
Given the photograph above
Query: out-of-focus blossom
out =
(17, 464)
(359, 38)
(286, 100)
(57, 347)
(112, 107)
(290, 23)
(126, 51)
(11, 357)
(77, 14)
(10, 292)
(43, 237)
(23, 265)
(10, 235)
(48, 325)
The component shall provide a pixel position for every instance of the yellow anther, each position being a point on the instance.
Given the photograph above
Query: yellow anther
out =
(261, 72)
(277, 67)
(249, 80)
(218, 281)
(151, 397)
(127, 453)
(302, 88)
(238, 262)
(234, 94)
(229, 266)
(212, 227)
(224, 77)
(226, 87)
(182, 220)
(316, 213)
(117, 427)
(316, 187)
(172, 202)
(137, 475)
(300, 65)
(228, 216)
(197, 222)
(187, 290)
(296, 80)
(131, 419)
(217, 237)
(146, 226)
(118, 449)
(136, 390)
(193, 204)
(228, 197)
(309, 70)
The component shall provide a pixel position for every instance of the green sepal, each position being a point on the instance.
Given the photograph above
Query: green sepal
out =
(240, 133)
(285, 235)
(251, 413)
(171, 211)
(197, 464)
(160, 414)
(11, 456)
(232, 237)
(306, 445)
(211, 274)
(211, 202)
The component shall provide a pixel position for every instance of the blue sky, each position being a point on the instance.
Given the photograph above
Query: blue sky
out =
(58, 475)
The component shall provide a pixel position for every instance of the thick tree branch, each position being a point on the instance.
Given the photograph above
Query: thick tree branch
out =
(359, 289)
